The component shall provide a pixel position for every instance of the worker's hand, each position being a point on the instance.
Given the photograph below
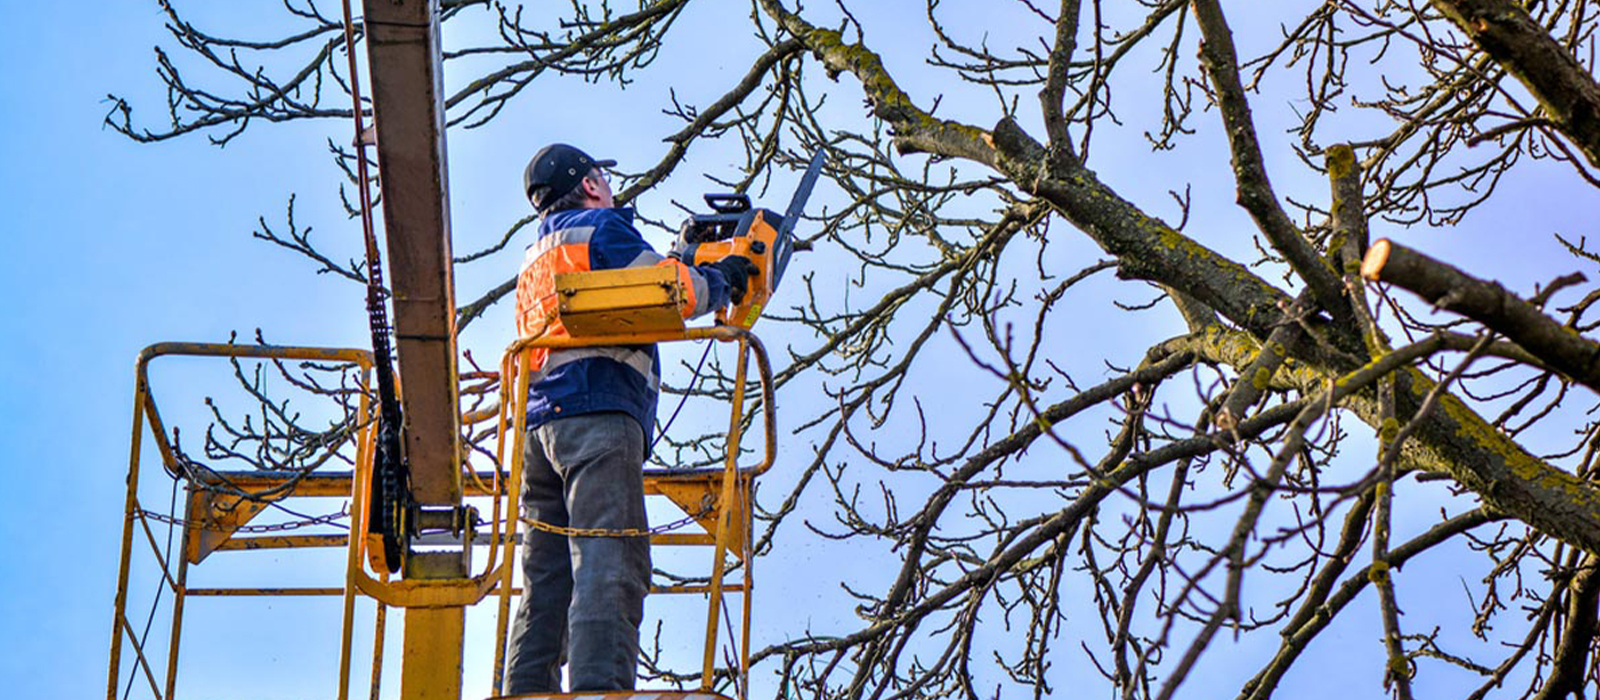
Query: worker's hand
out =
(737, 269)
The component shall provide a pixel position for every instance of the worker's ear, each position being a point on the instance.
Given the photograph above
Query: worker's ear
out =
(593, 187)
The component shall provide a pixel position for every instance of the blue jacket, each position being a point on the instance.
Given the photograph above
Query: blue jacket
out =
(626, 378)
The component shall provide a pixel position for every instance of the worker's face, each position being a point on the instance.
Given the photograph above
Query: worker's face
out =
(598, 187)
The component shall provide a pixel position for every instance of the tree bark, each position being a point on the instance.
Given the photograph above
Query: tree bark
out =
(1449, 288)
(1525, 49)
(1567, 669)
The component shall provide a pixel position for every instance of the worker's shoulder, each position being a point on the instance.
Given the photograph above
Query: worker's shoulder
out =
(618, 217)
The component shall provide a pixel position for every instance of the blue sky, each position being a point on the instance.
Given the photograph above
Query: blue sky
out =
(113, 246)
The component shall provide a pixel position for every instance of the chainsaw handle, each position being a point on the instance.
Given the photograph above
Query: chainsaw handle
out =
(728, 203)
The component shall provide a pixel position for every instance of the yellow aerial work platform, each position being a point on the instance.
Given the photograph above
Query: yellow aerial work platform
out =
(219, 506)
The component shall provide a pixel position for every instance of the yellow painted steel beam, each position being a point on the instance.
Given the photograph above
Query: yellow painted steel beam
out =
(283, 542)
(179, 596)
(665, 539)
(262, 592)
(217, 516)
(730, 481)
(130, 513)
(681, 540)
(336, 485)
(330, 485)
(432, 666)
(698, 588)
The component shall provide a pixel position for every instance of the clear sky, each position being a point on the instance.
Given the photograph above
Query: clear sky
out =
(112, 246)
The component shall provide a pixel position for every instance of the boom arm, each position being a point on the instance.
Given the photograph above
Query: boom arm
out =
(408, 113)
(408, 118)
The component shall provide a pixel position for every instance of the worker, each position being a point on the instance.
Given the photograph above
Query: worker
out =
(589, 411)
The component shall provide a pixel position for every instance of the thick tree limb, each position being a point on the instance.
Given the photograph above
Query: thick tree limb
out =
(916, 131)
(1146, 247)
(1055, 84)
(1566, 90)
(1449, 288)
(1451, 439)
(1350, 236)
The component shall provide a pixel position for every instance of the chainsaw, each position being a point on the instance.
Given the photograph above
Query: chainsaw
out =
(761, 235)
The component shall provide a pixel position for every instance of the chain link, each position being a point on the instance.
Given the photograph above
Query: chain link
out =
(602, 532)
(328, 519)
(342, 514)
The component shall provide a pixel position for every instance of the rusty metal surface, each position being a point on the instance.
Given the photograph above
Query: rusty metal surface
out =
(725, 516)
(337, 484)
(130, 513)
(235, 544)
(267, 592)
(213, 519)
(408, 115)
(276, 352)
(703, 500)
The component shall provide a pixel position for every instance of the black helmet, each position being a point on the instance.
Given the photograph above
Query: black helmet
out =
(554, 171)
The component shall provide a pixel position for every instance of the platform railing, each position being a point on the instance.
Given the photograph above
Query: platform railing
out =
(724, 507)
(717, 498)
(174, 574)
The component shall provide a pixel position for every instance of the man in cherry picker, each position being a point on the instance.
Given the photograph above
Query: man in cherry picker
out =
(589, 412)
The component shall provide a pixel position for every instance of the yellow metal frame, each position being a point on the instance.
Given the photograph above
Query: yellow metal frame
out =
(718, 498)
(145, 413)
(731, 495)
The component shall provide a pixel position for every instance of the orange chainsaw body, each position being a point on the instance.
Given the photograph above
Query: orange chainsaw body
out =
(754, 236)
(763, 236)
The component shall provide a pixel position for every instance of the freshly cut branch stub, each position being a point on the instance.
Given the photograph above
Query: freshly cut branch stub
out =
(1377, 256)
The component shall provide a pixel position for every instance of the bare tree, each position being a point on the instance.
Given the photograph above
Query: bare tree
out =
(1248, 484)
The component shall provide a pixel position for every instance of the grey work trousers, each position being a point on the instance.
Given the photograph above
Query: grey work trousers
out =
(582, 597)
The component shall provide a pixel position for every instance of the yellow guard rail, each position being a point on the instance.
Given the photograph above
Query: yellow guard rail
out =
(717, 499)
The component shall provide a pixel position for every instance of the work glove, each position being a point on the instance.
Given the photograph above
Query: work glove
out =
(737, 269)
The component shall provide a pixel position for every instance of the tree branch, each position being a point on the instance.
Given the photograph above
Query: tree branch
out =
(1255, 189)
(1447, 287)
(1566, 90)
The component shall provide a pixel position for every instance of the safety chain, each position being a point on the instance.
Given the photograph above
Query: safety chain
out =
(342, 514)
(602, 532)
(328, 519)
